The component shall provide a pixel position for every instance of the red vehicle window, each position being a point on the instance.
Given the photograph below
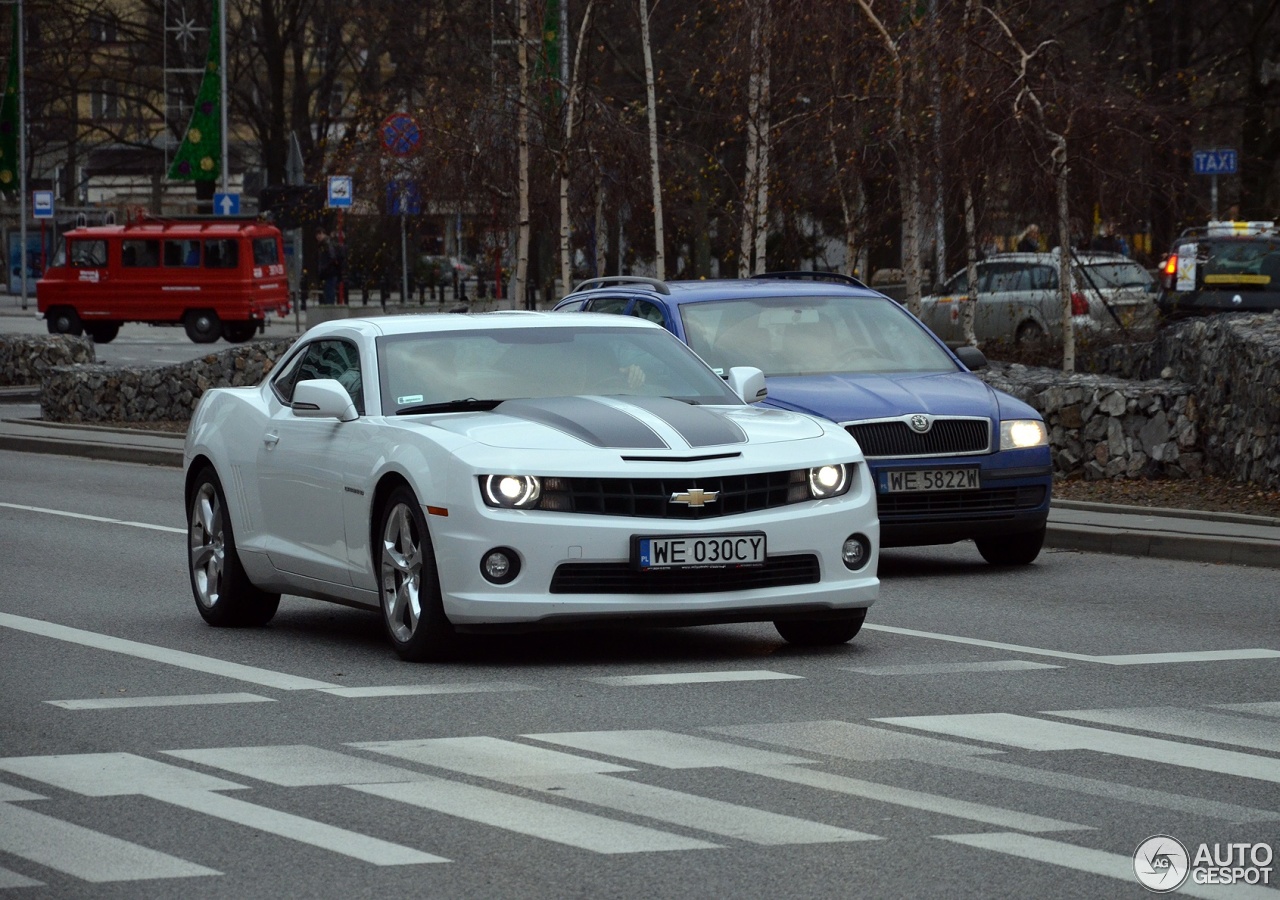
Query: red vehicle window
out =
(139, 254)
(222, 253)
(265, 252)
(182, 253)
(88, 254)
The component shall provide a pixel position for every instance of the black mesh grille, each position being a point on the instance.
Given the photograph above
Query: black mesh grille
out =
(621, 578)
(914, 507)
(946, 436)
(650, 498)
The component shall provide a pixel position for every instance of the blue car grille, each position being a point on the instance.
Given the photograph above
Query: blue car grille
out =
(621, 578)
(926, 505)
(947, 436)
(650, 498)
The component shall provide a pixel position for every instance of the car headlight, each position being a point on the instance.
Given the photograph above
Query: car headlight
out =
(1018, 434)
(511, 491)
(828, 481)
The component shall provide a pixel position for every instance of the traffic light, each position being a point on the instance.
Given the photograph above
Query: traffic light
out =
(293, 205)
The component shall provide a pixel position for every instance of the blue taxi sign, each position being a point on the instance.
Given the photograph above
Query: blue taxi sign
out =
(1214, 162)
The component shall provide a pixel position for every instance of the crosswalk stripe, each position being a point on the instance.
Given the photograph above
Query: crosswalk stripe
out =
(298, 765)
(14, 880)
(184, 700)
(1196, 724)
(955, 668)
(411, 690)
(1095, 862)
(83, 853)
(692, 678)
(531, 817)
(846, 740)
(1041, 734)
(578, 778)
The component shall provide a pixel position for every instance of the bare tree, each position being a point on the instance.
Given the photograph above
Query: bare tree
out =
(659, 237)
(566, 147)
(522, 140)
(755, 187)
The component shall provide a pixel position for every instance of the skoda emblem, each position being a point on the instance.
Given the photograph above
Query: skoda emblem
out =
(919, 423)
(695, 497)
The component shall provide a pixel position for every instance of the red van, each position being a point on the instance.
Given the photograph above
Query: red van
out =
(217, 277)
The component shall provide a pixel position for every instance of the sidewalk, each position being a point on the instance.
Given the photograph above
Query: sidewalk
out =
(1073, 525)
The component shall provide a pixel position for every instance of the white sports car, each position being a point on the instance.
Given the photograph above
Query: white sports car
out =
(519, 470)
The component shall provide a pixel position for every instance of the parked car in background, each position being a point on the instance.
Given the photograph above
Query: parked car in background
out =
(1018, 298)
(1222, 267)
(517, 470)
(953, 459)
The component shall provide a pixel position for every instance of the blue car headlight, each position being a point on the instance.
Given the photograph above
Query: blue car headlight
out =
(511, 491)
(1019, 434)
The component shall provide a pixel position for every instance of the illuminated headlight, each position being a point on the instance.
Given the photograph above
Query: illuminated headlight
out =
(828, 481)
(1017, 434)
(511, 491)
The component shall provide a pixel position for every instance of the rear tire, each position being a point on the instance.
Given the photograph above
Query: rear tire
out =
(238, 332)
(63, 320)
(408, 582)
(203, 326)
(1030, 336)
(102, 332)
(223, 592)
(822, 632)
(1012, 549)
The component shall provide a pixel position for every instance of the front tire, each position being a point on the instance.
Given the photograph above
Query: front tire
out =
(822, 632)
(238, 332)
(1012, 549)
(102, 332)
(223, 592)
(1030, 336)
(63, 320)
(203, 326)
(408, 582)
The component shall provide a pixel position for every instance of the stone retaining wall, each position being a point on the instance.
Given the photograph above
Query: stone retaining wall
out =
(26, 358)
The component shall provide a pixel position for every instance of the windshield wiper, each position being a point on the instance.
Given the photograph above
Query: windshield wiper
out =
(466, 404)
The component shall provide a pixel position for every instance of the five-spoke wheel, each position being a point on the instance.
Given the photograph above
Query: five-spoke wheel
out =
(408, 582)
(223, 592)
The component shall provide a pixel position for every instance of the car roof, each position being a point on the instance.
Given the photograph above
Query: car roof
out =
(728, 289)
(416, 323)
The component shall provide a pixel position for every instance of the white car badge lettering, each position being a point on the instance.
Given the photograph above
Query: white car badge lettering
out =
(695, 497)
(919, 424)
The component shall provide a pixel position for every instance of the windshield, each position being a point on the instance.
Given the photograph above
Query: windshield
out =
(508, 363)
(1119, 275)
(812, 336)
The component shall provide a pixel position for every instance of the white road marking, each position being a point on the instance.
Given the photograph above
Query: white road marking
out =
(1196, 724)
(180, 700)
(11, 794)
(125, 774)
(1265, 708)
(83, 853)
(298, 765)
(581, 779)
(1095, 862)
(681, 751)
(1003, 665)
(179, 658)
(88, 518)
(14, 880)
(1122, 659)
(410, 690)
(1041, 734)
(861, 743)
(692, 678)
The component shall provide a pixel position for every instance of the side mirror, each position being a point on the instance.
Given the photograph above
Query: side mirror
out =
(323, 398)
(748, 383)
(973, 358)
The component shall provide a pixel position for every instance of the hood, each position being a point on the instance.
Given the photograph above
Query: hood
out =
(852, 397)
(626, 423)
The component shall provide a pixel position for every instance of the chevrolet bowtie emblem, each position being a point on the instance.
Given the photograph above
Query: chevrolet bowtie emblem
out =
(695, 497)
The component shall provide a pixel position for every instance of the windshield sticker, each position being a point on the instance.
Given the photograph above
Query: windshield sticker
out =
(411, 398)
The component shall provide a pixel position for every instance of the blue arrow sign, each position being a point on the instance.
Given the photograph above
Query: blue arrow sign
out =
(42, 204)
(226, 204)
(1214, 162)
(403, 198)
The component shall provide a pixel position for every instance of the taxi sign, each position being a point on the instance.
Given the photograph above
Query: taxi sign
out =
(1214, 162)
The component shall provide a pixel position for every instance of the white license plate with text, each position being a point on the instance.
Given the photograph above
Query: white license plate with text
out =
(699, 551)
(895, 481)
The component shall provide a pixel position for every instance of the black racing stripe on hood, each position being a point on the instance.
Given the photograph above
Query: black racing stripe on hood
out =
(588, 420)
(699, 426)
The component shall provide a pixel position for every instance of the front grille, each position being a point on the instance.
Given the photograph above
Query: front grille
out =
(621, 578)
(650, 498)
(947, 436)
(914, 507)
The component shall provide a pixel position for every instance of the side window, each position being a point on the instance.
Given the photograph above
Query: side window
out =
(222, 253)
(650, 312)
(1044, 278)
(1008, 278)
(615, 305)
(88, 254)
(139, 254)
(337, 359)
(265, 251)
(182, 253)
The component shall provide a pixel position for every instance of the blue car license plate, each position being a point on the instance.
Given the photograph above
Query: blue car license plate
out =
(898, 481)
(701, 551)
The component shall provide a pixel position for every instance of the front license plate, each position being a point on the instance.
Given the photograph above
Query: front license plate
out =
(702, 551)
(898, 481)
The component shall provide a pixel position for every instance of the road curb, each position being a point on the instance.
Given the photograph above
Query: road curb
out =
(1241, 551)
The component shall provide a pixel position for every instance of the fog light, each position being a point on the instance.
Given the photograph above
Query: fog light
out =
(500, 565)
(856, 551)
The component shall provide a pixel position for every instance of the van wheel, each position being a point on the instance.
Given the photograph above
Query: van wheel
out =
(103, 332)
(63, 320)
(238, 332)
(203, 326)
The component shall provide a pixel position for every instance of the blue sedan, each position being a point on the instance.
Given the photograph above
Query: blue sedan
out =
(953, 458)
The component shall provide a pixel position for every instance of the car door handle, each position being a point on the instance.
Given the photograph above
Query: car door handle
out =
(271, 439)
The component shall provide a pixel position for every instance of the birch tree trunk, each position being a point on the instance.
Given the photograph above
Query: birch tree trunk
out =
(602, 228)
(520, 292)
(755, 188)
(971, 272)
(1064, 256)
(575, 81)
(659, 236)
(912, 218)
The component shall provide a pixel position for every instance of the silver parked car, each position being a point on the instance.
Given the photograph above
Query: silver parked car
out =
(1018, 298)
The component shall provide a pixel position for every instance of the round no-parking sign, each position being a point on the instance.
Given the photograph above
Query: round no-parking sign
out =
(400, 134)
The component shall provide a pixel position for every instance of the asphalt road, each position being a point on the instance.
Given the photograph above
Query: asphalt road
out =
(989, 734)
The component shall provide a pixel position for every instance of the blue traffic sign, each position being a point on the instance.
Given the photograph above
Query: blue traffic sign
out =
(1214, 162)
(340, 191)
(400, 134)
(42, 204)
(403, 198)
(226, 204)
